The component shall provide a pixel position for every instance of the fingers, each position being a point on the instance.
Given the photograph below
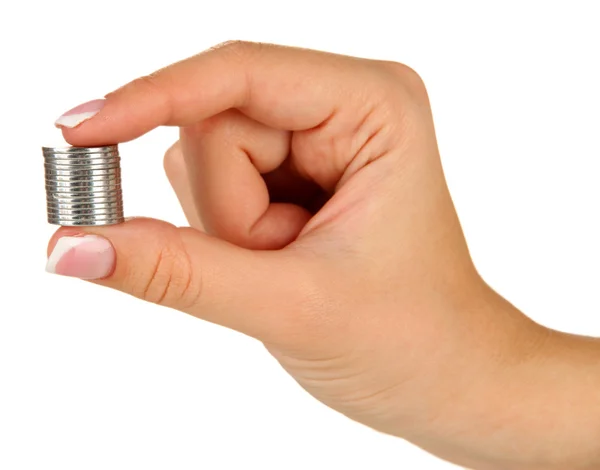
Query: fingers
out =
(255, 292)
(177, 174)
(282, 87)
(226, 156)
(345, 113)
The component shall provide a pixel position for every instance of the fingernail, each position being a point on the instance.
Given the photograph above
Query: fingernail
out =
(79, 114)
(89, 257)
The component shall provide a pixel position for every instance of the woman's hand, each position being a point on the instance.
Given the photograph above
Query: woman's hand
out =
(321, 224)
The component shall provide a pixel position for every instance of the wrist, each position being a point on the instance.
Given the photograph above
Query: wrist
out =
(529, 399)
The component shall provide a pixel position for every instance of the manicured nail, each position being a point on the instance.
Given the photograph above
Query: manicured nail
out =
(88, 257)
(79, 114)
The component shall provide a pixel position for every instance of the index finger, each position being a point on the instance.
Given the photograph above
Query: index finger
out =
(283, 87)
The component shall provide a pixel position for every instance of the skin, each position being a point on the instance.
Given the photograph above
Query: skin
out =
(321, 224)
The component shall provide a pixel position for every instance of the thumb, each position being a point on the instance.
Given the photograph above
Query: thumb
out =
(259, 293)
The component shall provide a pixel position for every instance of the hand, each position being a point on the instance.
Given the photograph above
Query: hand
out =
(321, 224)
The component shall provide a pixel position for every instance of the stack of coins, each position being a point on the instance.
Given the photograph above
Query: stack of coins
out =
(83, 185)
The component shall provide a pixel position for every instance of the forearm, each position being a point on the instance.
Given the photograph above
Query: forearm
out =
(550, 409)
(536, 408)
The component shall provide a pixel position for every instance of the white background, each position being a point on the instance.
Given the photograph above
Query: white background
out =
(92, 379)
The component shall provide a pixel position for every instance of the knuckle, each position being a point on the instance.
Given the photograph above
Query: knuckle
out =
(224, 125)
(200, 130)
(408, 78)
(236, 49)
(171, 281)
(149, 82)
(173, 161)
(154, 84)
(210, 125)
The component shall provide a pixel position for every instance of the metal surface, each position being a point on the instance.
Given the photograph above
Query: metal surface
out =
(83, 185)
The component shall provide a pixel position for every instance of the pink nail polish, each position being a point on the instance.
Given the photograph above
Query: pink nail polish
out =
(79, 114)
(89, 257)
